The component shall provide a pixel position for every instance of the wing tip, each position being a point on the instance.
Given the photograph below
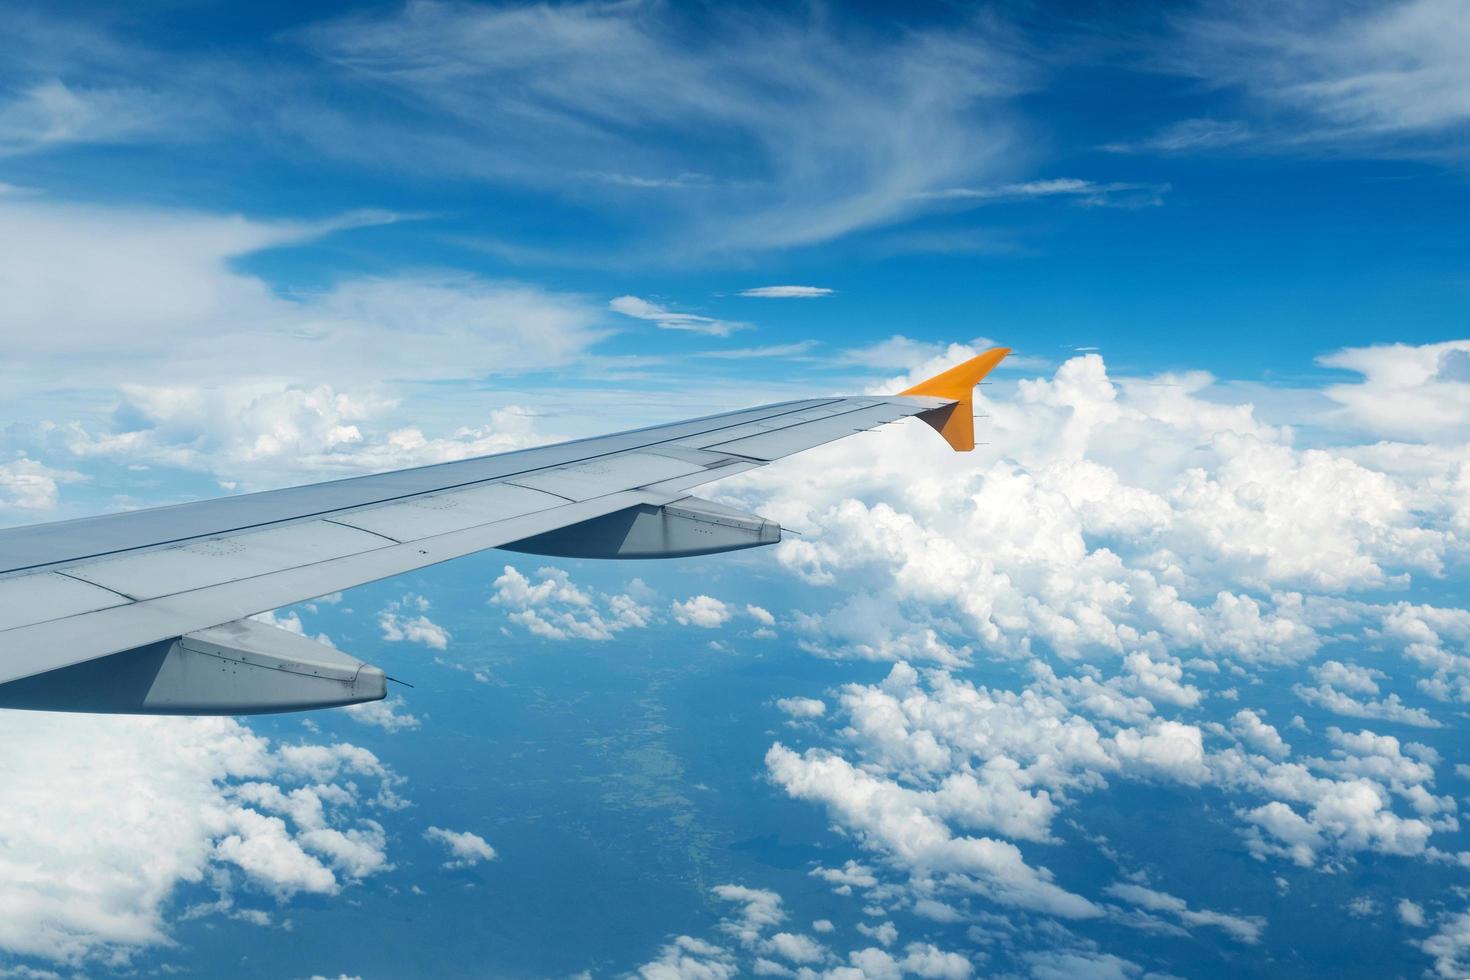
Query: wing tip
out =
(958, 381)
(956, 421)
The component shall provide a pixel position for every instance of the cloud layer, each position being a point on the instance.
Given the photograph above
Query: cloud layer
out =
(108, 817)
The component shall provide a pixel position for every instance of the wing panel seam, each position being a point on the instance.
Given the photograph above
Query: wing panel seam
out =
(95, 585)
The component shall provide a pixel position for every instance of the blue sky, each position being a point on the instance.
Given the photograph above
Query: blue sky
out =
(1209, 565)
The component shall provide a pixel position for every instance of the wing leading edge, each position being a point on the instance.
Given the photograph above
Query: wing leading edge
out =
(147, 611)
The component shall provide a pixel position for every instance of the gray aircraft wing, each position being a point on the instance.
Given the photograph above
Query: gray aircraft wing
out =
(149, 611)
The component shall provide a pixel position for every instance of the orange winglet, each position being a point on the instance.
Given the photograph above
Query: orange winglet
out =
(956, 422)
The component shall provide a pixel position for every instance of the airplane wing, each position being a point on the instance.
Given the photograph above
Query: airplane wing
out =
(148, 611)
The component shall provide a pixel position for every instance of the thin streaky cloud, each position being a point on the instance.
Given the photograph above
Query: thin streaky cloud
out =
(1188, 136)
(774, 350)
(666, 319)
(1120, 194)
(787, 292)
(865, 121)
(1380, 80)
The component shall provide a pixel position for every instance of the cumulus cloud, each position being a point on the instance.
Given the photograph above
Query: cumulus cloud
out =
(1080, 964)
(703, 611)
(897, 822)
(1410, 393)
(1450, 946)
(260, 434)
(1342, 804)
(160, 802)
(1166, 749)
(465, 849)
(555, 608)
(802, 707)
(1119, 519)
(872, 627)
(398, 623)
(919, 762)
(1249, 727)
(386, 714)
(27, 485)
(752, 943)
(1337, 683)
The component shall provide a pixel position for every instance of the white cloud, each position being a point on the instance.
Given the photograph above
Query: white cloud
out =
(1254, 732)
(687, 958)
(1450, 946)
(1410, 393)
(895, 822)
(796, 349)
(796, 948)
(786, 292)
(1337, 683)
(50, 113)
(1188, 135)
(1139, 547)
(555, 608)
(1117, 518)
(897, 351)
(870, 627)
(760, 615)
(385, 714)
(666, 319)
(1165, 749)
(929, 961)
(291, 622)
(864, 123)
(753, 947)
(263, 434)
(134, 336)
(465, 849)
(1338, 805)
(1088, 193)
(108, 816)
(885, 933)
(153, 297)
(28, 485)
(1410, 913)
(760, 909)
(703, 611)
(1384, 79)
(1438, 642)
(1080, 964)
(1244, 929)
(1160, 680)
(926, 757)
(844, 879)
(801, 707)
(398, 623)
